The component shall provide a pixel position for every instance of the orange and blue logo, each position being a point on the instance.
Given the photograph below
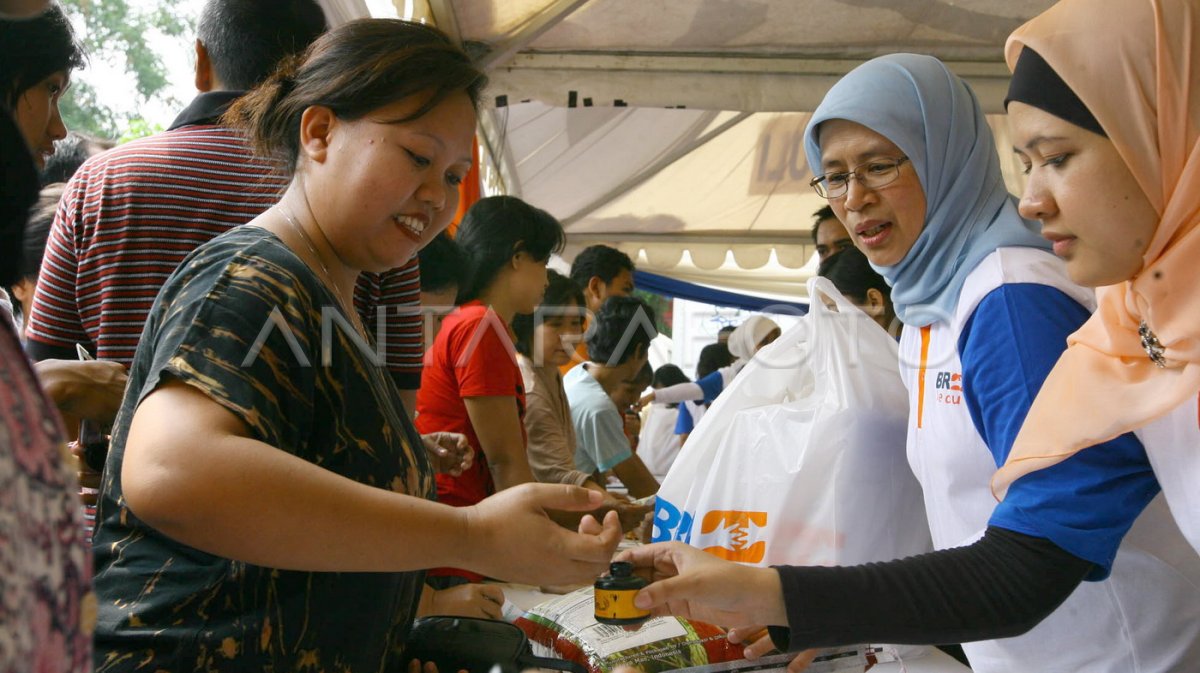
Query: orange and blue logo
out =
(949, 387)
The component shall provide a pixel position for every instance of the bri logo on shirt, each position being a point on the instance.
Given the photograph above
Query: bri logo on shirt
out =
(949, 387)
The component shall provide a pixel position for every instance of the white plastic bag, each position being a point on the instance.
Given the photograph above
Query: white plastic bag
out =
(801, 461)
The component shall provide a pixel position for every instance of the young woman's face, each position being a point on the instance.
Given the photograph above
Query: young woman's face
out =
(38, 118)
(885, 222)
(528, 282)
(386, 189)
(1091, 208)
(559, 322)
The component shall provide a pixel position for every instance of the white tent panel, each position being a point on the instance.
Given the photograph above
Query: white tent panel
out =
(751, 180)
(759, 55)
(565, 159)
(960, 30)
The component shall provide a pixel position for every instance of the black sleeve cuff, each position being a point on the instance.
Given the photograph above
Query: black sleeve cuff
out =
(38, 351)
(999, 587)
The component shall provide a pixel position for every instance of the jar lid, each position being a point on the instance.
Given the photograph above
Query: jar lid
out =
(620, 569)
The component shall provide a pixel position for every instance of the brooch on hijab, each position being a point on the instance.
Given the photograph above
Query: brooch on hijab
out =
(1153, 347)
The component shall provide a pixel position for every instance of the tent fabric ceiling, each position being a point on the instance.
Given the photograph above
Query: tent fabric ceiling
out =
(855, 28)
(737, 203)
(672, 130)
(755, 55)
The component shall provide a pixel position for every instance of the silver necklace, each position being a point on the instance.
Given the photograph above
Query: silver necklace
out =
(350, 312)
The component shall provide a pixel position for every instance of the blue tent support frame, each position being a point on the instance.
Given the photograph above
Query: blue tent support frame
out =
(678, 289)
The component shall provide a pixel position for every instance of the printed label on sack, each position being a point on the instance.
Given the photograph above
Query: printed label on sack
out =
(618, 605)
(574, 613)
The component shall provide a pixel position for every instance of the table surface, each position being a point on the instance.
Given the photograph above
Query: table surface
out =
(936, 661)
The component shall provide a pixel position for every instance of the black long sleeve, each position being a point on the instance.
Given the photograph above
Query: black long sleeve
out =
(999, 587)
(38, 351)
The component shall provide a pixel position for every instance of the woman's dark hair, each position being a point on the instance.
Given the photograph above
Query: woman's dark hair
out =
(37, 229)
(851, 273)
(441, 263)
(69, 155)
(712, 358)
(18, 191)
(669, 375)
(560, 292)
(495, 229)
(353, 69)
(34, 49)
(624, 327)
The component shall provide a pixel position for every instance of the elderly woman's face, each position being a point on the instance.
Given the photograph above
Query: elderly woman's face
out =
(883, 222)
(1090, 205)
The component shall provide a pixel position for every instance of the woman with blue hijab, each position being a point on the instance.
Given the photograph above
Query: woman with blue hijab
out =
(903, 152)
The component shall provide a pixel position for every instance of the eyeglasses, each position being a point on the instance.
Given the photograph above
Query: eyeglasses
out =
(872, 175)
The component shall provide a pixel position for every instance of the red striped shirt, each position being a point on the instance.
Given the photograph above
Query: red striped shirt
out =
(131, 215)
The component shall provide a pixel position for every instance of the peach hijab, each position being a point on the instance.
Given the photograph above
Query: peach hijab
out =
(1135, 64)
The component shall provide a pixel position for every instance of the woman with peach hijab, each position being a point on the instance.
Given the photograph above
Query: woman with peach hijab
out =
(1105, 109)
(1136, 364)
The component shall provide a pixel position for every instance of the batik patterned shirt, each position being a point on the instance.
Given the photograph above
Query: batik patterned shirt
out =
(46, 606)
(241, 320)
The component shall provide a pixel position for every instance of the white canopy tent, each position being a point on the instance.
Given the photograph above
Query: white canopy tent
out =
(673, 129)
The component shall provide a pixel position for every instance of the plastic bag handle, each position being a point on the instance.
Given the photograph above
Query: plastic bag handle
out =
(818, 286)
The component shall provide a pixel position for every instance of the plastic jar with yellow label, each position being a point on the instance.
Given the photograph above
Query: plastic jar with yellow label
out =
(614, 594)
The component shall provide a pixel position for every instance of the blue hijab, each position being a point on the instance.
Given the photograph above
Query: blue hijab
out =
(933, 117)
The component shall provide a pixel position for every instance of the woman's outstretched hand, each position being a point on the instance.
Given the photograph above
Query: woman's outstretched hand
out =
(690, 583)
(511, 537)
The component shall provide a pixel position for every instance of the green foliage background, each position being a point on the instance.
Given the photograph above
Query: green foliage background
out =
(117, 32)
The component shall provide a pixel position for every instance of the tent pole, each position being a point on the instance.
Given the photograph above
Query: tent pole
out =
(442, 15)
(534, 28)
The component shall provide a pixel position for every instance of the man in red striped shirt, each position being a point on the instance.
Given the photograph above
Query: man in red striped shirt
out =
(131, 215)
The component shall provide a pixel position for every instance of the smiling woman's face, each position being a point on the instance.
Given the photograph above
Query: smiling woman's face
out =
(1090, 205)
(884, 222)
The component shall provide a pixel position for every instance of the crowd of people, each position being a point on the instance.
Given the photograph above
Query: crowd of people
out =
(261, 409)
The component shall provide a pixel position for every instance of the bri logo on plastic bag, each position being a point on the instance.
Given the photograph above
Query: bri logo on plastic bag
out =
(723, 533)
(669, 523)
